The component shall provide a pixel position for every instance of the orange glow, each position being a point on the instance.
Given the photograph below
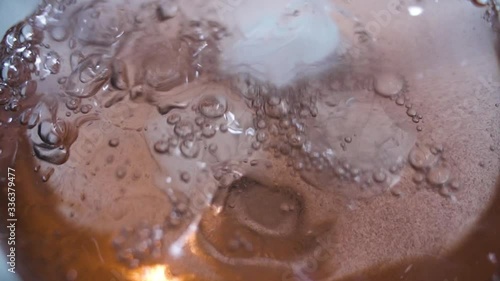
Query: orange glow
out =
(152, 273)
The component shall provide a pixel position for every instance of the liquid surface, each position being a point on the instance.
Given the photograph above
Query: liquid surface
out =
(139, 140)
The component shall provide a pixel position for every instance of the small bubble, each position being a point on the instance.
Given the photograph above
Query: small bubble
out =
(348, 139)
(492, 148)
(400, 101)
(296, 140)
(298, 166)
(59, 33)
(411, 112)
(208, 130)
(415, 119)
(418, 178)
(161, 146)
(121, 172)
(167, 10)
(114, 142)
(48, 174)
(261, 124)
(256, 145)
(85, 108)
(213, 106)
(388, 84)
(62, 80)
(421, 157)
(419, 128)
(261, 136)
(455, 184)
(223, 128)
(254, 162)
(284, 124)
(212, 148)
(438, 175)
(73, 103)
(285, 207)
(190, 149)
(199, 121)
(53, 62)
(185, 177)
(183, 129)
(379, 176)
(173, 119)
(110, 159)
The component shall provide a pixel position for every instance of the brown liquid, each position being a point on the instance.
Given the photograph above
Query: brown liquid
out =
(121, 181)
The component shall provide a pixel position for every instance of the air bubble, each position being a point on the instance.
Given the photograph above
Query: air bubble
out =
(114, 142)
(379, 176)
(59, 33)
(52, 62)
(212, 148)
(121, 172)
(296, 140)
(173, 119)
(421, 157)
(161, 147)
(438, 175)
(223, 128)
(190, 149)
(213, 106)
(400, 101)
(411, 112)
(73, 103)
(388, 84)
(261, 136)
(183, 129)
(86, 108)
(185, 177)
(208, 130)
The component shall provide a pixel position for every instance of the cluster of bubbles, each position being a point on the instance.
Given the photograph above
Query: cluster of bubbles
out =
(225, 123)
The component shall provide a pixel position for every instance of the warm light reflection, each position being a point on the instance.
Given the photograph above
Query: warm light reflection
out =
(152, 273)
